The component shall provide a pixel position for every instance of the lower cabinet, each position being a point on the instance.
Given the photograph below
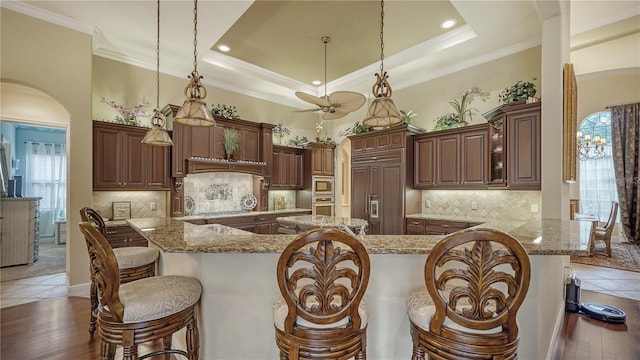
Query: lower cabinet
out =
(124, 236)
(416, 226)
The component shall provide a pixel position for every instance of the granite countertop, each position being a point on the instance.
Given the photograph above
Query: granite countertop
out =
(321, 221)
(240, 214)
(539, 237)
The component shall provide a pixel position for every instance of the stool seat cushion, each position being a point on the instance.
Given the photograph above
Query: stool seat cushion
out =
(134, 256)
(420, 309)
(158, 296)
(280, 311)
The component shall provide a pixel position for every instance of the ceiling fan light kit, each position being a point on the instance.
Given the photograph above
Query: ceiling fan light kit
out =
(337, 104)
(194, 110)
(382, 111)
(157, 135)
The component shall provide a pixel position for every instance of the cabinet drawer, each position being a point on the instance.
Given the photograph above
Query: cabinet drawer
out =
(124, 236)
(386, 156)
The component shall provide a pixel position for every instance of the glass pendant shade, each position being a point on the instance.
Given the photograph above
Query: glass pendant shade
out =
(157, 135)
(382, 113)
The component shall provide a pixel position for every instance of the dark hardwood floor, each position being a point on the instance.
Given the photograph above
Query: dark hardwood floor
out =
(57, 329)
(52, 329)
(586, 338)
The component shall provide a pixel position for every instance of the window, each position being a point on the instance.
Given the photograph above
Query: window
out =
(596, 175)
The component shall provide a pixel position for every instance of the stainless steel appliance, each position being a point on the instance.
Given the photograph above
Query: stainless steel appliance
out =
(322, 186)
(323, 205)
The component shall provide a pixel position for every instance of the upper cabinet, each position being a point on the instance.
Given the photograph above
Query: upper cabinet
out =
(122, 162)
(320, 159)
(451, 159)
(515, 146)
(287, 168)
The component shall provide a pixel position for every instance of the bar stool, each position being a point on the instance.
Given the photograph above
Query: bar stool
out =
(468, 309)
(142, 310)
(322, 276)
(135, 262)
(604, 232)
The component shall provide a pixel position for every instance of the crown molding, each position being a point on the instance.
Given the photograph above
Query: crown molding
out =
(45, 15)
(604, 21)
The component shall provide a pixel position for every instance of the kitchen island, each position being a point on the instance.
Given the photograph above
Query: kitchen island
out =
(299, 224)
(238, 277)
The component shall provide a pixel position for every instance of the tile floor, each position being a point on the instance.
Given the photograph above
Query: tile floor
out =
(605, 280)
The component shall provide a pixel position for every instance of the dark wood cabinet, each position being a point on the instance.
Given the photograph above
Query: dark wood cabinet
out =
(287, 171)
(418, 226)
(379, 178)
(320, 158)
(124, 236)
(122, 162)
(259, 223)
(452, 159)
(516, 146)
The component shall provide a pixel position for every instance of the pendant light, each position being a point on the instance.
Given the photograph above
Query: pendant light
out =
(157, 135)
(382, 111)
(194, 110)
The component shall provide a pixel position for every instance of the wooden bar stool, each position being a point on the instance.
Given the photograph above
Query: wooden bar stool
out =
(468, 309)
(135, 262)
(142, 310)
(604, 232)
(322, 275)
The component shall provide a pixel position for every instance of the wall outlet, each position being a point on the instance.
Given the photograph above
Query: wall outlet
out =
(427, 204)
(534, 208)
(474, 205)
(152, 205)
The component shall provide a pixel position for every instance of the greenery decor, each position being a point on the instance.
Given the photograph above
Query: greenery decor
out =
(522, 90)
(407, 116)
(461, 108)
(357, 128)
(279, 132)
(127, 116)
(326, 141)
(227, 112)
(230, 139)
(299, 141)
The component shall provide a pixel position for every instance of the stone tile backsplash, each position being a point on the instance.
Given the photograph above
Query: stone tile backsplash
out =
(282, 199)
(494, 204)
(140, 202)
(217, 192)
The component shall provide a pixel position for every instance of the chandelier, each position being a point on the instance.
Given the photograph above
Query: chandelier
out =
(382, 111)
(194, 110)
(587, 143)
(157, 135)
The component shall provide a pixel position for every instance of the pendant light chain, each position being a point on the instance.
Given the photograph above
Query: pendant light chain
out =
(158, 59)
(195, 35)
(325, 40)
(382, 37)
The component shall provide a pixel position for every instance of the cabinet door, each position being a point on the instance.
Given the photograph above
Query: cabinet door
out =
(298, 171)
(134, 161)
(391, 198)
(249, 145)
(158, 168)
(473, 159)
(317, 161)
(181, 137)
(448, 161)
(202, 141)
(415, 227)
(107, 152)
(524, 150)
(424, 163)
(276, 170)
(359, 191)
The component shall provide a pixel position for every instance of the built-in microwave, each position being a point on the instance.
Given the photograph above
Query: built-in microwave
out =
(323, 205)
(322, 186)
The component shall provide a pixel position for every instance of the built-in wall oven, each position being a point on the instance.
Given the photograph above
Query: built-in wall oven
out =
(322, 186)
(323, 205)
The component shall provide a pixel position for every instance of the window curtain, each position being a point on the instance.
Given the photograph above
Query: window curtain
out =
(597, 185)
(625, 127)
(45, 177)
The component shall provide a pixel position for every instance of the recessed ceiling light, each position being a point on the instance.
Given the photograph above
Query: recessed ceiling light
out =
(316, 82)
(224, 48)
(448, 23)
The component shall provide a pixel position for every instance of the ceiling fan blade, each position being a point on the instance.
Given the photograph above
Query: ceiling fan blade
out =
(347, 101)
(312, 99)
(337, 114)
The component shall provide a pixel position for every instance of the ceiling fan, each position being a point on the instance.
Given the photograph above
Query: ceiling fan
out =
(337, 104)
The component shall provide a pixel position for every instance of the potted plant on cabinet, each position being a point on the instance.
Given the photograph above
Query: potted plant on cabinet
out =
(520, 91)
(230, 139)
(461, 108)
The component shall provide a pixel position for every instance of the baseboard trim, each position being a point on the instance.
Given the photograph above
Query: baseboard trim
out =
(81, 290)
(557, 341)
